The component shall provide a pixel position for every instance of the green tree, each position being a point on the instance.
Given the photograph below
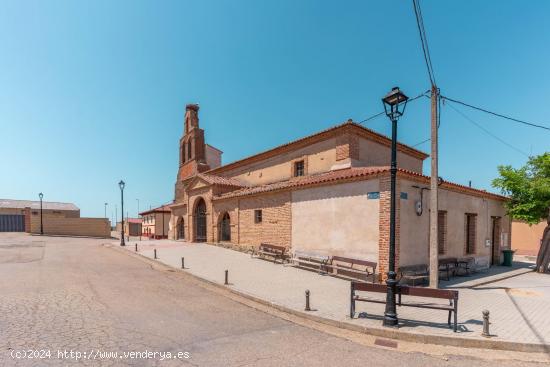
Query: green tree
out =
(528, 188)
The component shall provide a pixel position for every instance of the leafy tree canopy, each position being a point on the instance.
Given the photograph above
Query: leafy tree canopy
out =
(528, 188)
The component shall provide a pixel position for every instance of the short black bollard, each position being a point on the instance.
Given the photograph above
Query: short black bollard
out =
(485, 332)
(183, 262)
(226, 277)
(307, 301)
(155, 251)
(136, 247)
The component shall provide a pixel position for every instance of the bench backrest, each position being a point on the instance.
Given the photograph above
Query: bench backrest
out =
(351, 261)
(310, 255)
(369, 287)
(413, 268)
(448, 260)
(273, 248)
(428, 292)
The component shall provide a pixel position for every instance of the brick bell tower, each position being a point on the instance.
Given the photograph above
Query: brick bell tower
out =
(192, 149)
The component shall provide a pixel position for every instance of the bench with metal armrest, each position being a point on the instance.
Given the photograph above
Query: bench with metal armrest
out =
(352, 268)
(310, 260)
(417, 292)
(272, 251)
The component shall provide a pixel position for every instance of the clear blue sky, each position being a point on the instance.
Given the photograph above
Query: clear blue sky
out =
(92, 92)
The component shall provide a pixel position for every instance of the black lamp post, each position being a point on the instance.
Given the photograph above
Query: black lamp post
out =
(121, 185)
(41, 195)
(394, 106)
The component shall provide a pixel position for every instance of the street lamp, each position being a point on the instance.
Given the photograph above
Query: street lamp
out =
(121, 184)
(394, 106)
(106, 210)
(41, 195)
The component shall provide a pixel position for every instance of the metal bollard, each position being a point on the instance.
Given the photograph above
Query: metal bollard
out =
(485, 332)
(307, 301)
(136, 247)
(183, 262)
(155, 252)
(226, 277)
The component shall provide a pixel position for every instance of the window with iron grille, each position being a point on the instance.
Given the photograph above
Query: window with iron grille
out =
(471, 233)
(298, 168)
(441, 231)
(257, 216)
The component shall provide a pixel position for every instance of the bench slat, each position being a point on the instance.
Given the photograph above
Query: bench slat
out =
(354, 261)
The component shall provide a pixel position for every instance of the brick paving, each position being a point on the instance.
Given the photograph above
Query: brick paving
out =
(518, 306)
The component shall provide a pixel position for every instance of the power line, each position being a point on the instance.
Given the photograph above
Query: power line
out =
(497, 114)
(488, 132)
(383, 112)
(424, 41)
(422, 142)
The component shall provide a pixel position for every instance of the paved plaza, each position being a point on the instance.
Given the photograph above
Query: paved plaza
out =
(76, 294)
(518, 305)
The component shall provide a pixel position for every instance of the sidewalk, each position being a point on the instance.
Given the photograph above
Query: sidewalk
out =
(518, 306)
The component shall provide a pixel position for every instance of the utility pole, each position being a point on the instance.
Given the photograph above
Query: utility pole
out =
(434, 208)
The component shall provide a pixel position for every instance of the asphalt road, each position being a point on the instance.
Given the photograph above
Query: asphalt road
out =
(65, 294)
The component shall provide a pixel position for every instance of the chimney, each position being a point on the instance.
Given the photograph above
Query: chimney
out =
(191, 117)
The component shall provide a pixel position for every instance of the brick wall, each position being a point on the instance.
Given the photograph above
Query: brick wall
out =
(347, 146)
(232, 208)
(275, 227)
(56, 225)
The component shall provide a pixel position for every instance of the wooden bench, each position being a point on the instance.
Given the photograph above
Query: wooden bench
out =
(352, 268)
(414, 273)
(448, 266)
(273, 251)
(465, 264)
(310, 260)
(419, 292)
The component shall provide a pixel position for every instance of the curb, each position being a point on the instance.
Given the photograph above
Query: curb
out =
(379, 332)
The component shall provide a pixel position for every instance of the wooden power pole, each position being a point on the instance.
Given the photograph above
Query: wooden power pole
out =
(434, 181)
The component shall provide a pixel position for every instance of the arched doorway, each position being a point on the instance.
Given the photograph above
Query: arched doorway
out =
(180, 230)
(199, 218)
(225, 228)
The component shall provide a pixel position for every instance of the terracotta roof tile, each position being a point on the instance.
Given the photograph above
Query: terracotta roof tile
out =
(160, 209)
(342, 174)
(219, 180)
(349, 174)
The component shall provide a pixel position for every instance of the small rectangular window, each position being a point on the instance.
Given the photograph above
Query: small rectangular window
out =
(258, 216)
(298, 168)
(470, 233)
(441, 231)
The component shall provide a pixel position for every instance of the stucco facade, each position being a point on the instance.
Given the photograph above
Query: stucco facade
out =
(155, 223)
(329, 193)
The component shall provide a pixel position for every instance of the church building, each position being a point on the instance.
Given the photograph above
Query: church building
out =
(328, 193)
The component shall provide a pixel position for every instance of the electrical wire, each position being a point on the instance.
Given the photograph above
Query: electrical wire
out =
(383, 112)
(496, 114)
(422, 142)
(488, 132)
(424, 41)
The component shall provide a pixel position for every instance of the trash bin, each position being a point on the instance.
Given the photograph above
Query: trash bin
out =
(508, 257)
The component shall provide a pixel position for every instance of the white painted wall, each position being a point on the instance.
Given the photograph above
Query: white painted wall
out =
(337, 220)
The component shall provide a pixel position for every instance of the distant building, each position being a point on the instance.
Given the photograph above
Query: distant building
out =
(155, 222)
(132, 227)
(57, 219)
